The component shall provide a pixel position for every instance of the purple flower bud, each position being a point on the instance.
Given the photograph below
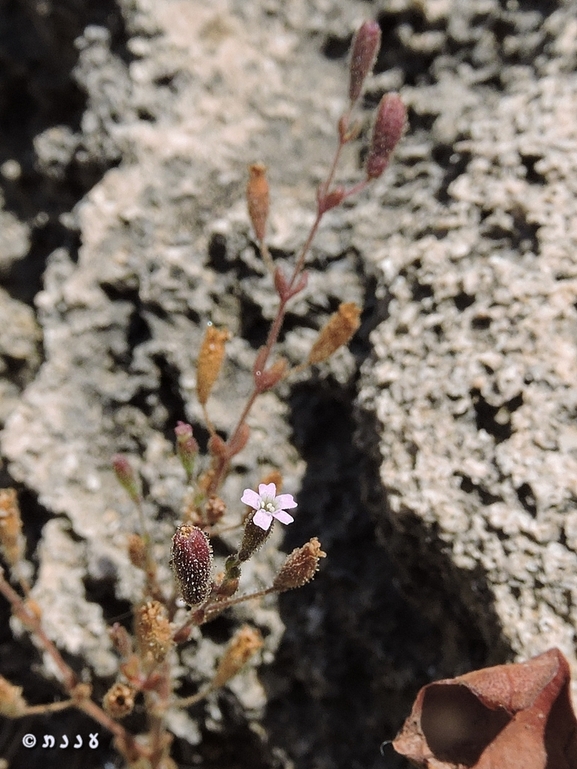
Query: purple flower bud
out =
(126, 477)
(192, 562)
(186, 448)
(389, 126)
(365, 48)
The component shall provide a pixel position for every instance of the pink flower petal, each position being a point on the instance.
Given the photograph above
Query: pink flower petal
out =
(262, 519)
(283, 517)
(285, 501)
(251, 498)
(267, 490)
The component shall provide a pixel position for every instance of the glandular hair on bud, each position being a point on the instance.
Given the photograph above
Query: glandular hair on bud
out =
(253, 537)
(119, 700)
(300, 566)
(191, 555)
(338, 330)
(243, 645)
(389, 126)
(210, 360)
(365, 48)
(153, 630)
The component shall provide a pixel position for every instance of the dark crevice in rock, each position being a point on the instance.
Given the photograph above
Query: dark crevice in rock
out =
(38, 92)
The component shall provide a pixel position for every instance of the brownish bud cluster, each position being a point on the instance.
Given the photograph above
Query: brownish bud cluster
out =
(257, 196)
(11, 539)
(390, 124)
(191, 554)
(338, 330)
(12, 703)
(214, 509)
(153, 630)
(119, 700)
(300, 566)
(241, 648)
(366, 44)
(209, 362)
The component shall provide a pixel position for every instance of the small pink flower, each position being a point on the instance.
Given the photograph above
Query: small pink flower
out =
(268, 505)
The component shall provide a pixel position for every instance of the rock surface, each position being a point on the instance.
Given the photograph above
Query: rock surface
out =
(126, 130)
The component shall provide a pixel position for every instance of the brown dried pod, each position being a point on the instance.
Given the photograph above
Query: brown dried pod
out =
(191, 562)
(243, 645)
(300, 566)
(11, 539)
(389, 126)
(153, 629)
(210, 360)
(119, 700)
(257, 197)
(366, 44)
(12, 703)
(338, 330)
(137, 551)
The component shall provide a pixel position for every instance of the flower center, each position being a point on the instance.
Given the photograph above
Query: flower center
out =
(269, 506)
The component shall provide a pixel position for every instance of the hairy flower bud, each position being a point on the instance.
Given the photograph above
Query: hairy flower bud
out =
(153, 630)
(192, 562)
(300, 566)
(253, 537)
(366, 46)
(127, 477)
(186, 447)
(11, 540)
(12, 703)
(119, 700)
(243, 645)
(337, 332)
(257, 198)
(210, 360)
(389, 126)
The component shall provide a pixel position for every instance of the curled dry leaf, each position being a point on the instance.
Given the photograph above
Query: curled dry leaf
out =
(506, 717)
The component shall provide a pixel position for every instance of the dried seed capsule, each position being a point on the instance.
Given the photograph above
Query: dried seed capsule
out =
(12, 703)
(192, 562)
(210, 360)
(389, 126)
(137, 551)
(300, 566)
(11, 540)
(338, 330)
(366, 46)
(153, 629)
(119, 700)
(243, 645)
(257, 197)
